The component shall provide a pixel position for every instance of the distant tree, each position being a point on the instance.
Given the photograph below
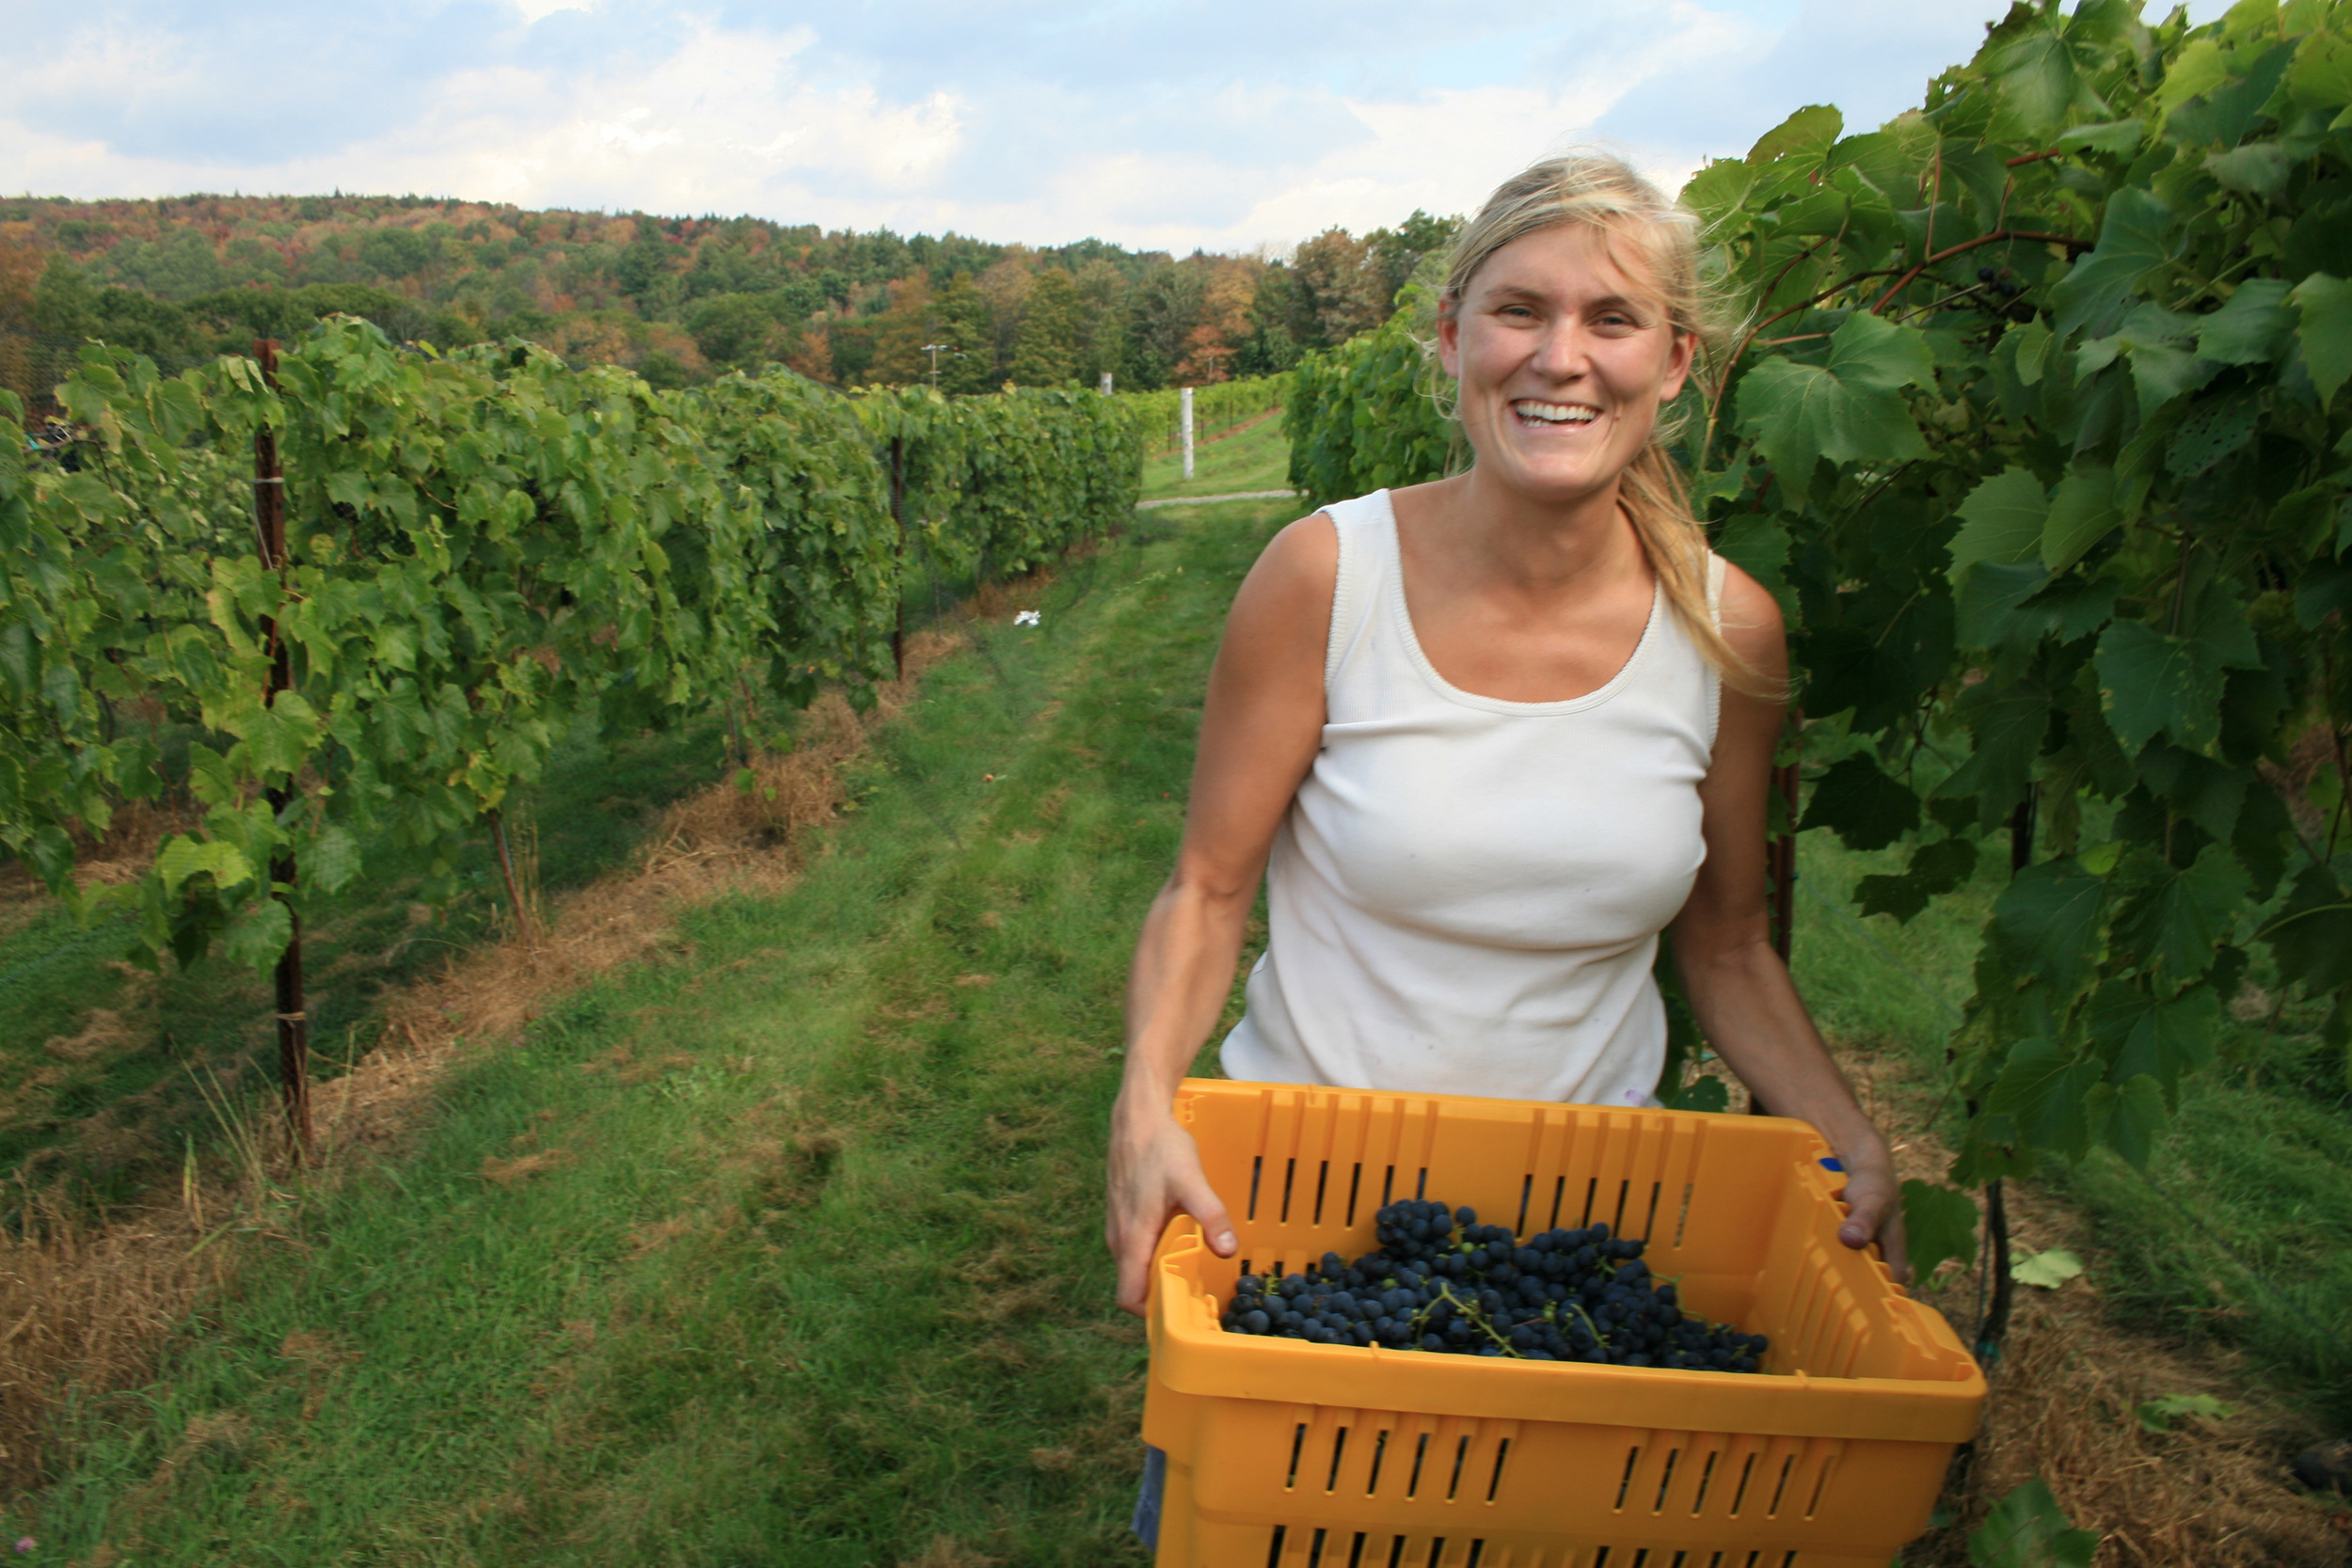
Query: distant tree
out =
(644, 263)
(741, 331)
(1101, 342)
(1269, 348)
(1046, 354)
(20, 279)
(1163, 310)
(396, 253)
(1396, 254)
(1223, 323)
(898, 334)
(964, 323)
(1337, 292)
(850, 346)
(65, 303)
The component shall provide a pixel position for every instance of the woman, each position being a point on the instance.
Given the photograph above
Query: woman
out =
(1494, 732)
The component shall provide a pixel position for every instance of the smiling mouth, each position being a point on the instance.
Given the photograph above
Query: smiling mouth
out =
(1533, 413)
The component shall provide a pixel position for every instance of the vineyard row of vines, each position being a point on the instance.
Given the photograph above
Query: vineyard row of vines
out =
(376, 586)
(2035, 431)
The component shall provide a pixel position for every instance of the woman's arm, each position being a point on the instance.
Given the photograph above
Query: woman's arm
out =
(1260, 730)
(1736, 984)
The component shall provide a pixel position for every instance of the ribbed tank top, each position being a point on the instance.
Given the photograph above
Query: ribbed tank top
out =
(1466, 893)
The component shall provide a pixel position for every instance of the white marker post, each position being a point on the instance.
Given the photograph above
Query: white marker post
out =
(1186, 401)
(1106, 383)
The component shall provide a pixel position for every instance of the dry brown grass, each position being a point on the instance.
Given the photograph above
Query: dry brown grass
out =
(85, 1306)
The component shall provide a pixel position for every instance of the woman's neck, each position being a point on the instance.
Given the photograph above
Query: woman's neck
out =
(1540, 548)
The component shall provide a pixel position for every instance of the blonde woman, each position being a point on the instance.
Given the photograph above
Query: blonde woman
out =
(1486, 738)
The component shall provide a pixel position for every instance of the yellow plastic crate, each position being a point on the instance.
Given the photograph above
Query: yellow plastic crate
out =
(1287, 1454)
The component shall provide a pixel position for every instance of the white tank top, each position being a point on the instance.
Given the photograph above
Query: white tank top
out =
(1466, 896)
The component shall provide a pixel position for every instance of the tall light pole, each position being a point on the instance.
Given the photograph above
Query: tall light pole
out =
(935, 350)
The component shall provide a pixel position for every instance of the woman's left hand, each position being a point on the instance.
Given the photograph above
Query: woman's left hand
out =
(1874, 1204)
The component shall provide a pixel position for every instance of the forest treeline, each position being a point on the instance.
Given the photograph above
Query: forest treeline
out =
(680, 300)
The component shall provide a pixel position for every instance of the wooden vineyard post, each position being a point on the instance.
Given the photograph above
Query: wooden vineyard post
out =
(1184, 399)
(1995, 1325)
(293, 1027)
(1780, 867)
(898, 517)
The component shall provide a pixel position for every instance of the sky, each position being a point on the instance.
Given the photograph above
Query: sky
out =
(1151, 124)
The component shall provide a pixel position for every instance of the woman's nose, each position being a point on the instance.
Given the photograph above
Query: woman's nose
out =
(1562, 352)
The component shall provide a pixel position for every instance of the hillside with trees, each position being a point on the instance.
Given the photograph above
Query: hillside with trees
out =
(678, 300)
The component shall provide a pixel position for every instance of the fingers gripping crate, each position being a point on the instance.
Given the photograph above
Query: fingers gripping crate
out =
(1296, 1456)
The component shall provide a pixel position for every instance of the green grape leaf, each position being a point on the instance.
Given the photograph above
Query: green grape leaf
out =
(258, 933)
(2116, 137)
(184, 857)
(331, 860)
(1758, 545)
(1810, 130)
(2135, 237)
(2311, 936)
(2151, 684)
(2047, 1092)
(2255, 327)
(2321, 76)
(1990, 600)
(2324, 304)
(2143, 1035)
(1862, 805)
(2046, 923)
(1935, 869)
(2044, 76)
(2047, 1270)
(2006, 720)
(2001, 521)
(1848, 410)
(2259, 168)
(2208, 793)
(1939, 1226)
(2213, 429)
(2157, 1415)
(2174, 920)
(2083, 511)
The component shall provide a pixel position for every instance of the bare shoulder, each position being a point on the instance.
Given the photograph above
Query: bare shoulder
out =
(1752, 623)
(1281, 622)
(1295, 574)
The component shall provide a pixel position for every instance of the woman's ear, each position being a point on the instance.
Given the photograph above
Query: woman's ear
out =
(1686, 345)
(1450, 340)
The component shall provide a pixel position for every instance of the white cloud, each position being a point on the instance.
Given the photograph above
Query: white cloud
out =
(1057, 123)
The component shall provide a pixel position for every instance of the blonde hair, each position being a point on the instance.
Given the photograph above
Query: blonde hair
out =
(1637, 221)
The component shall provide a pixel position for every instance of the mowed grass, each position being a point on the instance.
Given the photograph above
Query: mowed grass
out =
(1254, 457)
(784, 1250)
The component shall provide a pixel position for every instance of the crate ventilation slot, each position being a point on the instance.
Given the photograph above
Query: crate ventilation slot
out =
(1313, 1546)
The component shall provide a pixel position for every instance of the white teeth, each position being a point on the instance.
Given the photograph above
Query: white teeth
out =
(1556, 413)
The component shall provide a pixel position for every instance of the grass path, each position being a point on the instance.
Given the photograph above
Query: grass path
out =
(782, 1251)
(1251, 456)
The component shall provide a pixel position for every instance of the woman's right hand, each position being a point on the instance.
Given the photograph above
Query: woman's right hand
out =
(1154, 1173)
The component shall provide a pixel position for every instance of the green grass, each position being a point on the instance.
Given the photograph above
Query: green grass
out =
(103, 1117)
(1255, 458)
(810, 1269)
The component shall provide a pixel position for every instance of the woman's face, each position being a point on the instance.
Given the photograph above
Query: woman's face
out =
(1564, 359)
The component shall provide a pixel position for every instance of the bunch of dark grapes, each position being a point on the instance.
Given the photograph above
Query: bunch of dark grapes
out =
(1444, 1282)
(1998, 283)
